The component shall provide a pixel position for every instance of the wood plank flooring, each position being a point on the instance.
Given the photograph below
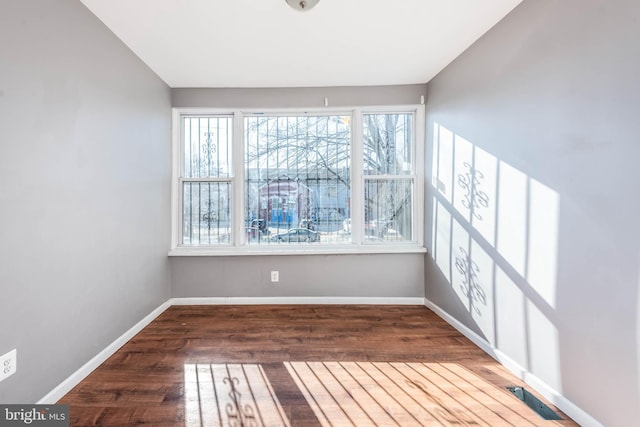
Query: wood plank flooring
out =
(300, 365)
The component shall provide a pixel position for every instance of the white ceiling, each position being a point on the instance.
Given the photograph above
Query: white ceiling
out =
(265, 43)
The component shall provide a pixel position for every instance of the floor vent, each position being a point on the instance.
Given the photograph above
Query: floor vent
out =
(534, 403)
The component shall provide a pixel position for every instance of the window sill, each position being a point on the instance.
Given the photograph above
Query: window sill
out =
(316, 250)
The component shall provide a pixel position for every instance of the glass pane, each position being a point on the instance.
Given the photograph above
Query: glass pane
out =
(388, 210)
(297, 172)
(206, 213)
(207, 147)
(387, 142)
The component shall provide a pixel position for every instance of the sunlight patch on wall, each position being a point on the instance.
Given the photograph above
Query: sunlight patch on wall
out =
(472, 279)
(481, 292)
(465, 270)
(543, 336)
(442, 239)
(512, 217)
(511, 331)
(464, 177)
(443, 162)
(544, 211)
(475, 187)
(485, 200)
(515, 214)
(495, 238)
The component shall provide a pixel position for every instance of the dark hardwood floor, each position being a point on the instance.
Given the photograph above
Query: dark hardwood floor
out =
(300, 365)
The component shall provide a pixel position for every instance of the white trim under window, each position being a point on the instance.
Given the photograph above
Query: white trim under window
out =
(335, 210)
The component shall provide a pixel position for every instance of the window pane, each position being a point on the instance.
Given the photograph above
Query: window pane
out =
(387, 141)
(207, 147)
(388, 210)
(297, 172)
(206, 213)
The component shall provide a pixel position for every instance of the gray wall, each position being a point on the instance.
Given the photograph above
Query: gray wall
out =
(380, 275)
(398, 275)
(298, 97)
(84, 191)
(546, 266)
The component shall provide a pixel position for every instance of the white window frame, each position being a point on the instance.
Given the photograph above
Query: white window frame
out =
(238, 246)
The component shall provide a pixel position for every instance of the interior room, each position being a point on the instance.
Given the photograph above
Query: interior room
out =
(503, 210)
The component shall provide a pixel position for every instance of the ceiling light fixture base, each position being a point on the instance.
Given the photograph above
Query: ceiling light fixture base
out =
(302, 5)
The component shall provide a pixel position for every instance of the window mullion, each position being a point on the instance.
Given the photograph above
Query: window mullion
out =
(357, 179)
(182, 180)
(238, 236)
(389, 177)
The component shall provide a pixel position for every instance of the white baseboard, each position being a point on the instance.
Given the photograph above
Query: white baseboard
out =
(564, 404)
(298, 300)
(74, 379)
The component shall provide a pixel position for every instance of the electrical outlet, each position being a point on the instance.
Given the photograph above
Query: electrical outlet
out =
(8, 364)
(275, 276)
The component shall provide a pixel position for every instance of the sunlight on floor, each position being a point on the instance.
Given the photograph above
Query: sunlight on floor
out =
(230, 394)
(403, 394)
(351, 394)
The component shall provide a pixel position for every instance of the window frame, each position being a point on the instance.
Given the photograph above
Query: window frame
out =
(182, 179)
(237, 242)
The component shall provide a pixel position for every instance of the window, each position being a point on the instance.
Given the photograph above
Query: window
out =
(296, 182)
(388, 176)
(297, 176)
(206, 180)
